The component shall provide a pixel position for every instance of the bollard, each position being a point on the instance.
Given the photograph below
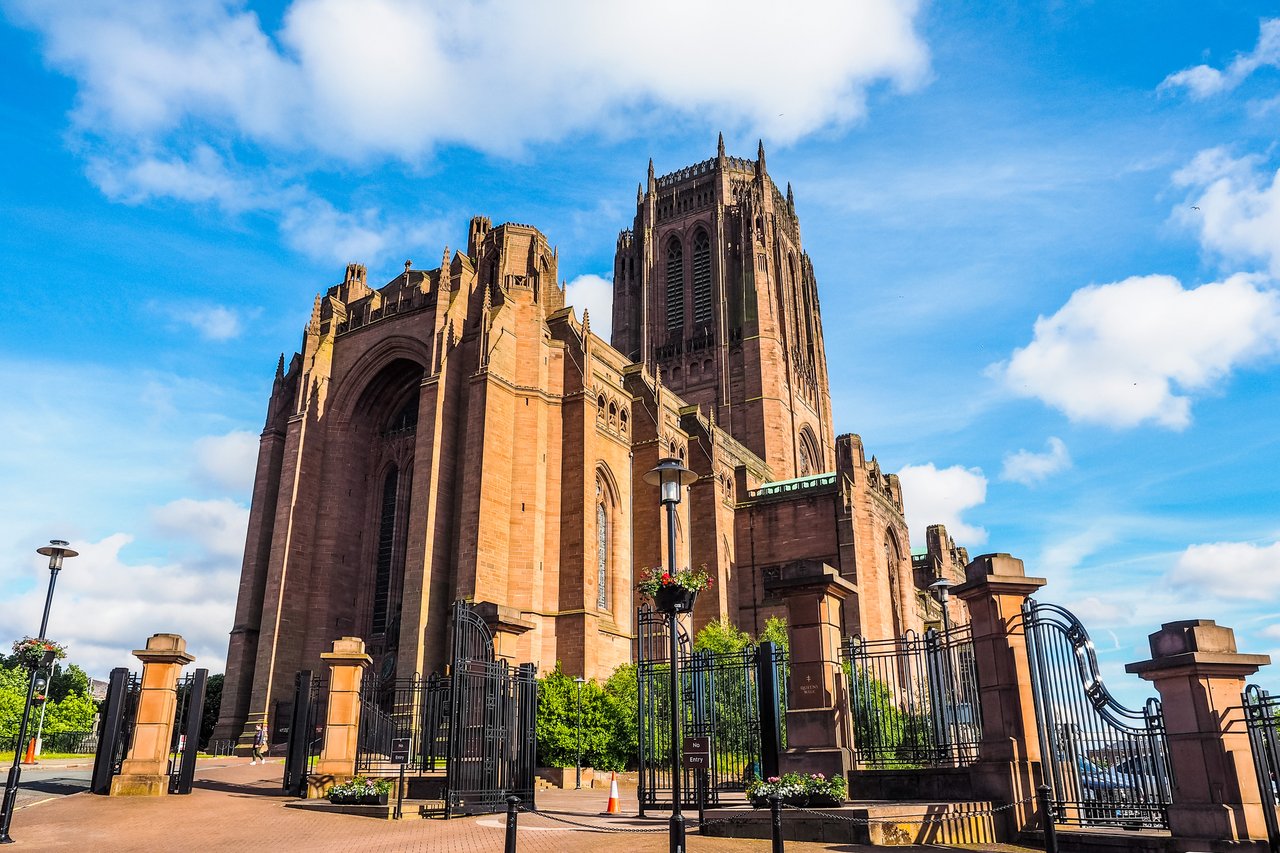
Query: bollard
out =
(1046, 815)
(775, 808)
(512, 805)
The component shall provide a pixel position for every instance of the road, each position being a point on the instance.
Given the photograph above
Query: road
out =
(46, 781)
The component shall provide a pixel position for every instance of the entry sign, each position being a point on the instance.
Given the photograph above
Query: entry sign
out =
(400, 750)
(697, 753)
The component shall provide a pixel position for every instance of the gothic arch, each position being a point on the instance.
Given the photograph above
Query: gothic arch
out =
(808, 454)
(390, 359)
(609, 551)
(703, 312)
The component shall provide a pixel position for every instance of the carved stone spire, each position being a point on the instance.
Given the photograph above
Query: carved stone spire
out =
(760, 169)
(720, 158)
(791, 199)
(639, 194)
(653, 183)
(313, 326)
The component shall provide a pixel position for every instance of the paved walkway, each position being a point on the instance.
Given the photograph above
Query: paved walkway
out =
(238, 807)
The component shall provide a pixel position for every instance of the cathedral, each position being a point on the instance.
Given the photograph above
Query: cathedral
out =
(460, 433)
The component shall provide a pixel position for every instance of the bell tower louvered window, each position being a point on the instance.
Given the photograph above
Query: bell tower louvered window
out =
(675, 287)
(702, 312)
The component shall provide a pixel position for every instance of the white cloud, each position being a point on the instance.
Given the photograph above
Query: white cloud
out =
(227, 461)
(1240, 570)
(1029, 468)
(1234, 206)
(217, 526)
(1133, 351)
(934, 495)
(595, 294)
(399, 77)
(1203, 81)
(106, 605)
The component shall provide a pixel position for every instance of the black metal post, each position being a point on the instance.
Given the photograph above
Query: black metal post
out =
(191, 745)
(775, 814)
(299, 746)
(577, 770)
(1046, 816)
(400, 794)
(702, 800)
(55, 554)
(513, 804)
(770, 712)
(109, 731)
(677, 819)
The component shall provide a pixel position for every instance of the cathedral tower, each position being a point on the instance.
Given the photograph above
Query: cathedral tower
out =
(714, 292)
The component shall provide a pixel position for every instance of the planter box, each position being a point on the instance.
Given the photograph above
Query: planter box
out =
(379, 800)
(809, 801)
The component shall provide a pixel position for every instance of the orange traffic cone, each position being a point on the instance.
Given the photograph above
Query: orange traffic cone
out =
(30, 757)
(615, 805)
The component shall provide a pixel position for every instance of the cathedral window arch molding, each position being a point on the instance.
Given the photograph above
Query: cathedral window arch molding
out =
(703, 310)
(608, 556)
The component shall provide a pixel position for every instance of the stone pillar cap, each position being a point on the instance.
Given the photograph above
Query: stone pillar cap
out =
(347, 648)
(501, 618)
(164, 648)
(1201, 642)
(807, 576)
(997, 570)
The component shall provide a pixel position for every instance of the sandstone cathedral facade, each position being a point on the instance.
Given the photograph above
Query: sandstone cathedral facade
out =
(459, 433)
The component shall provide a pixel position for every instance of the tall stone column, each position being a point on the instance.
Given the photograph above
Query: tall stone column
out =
(337, 762)
(819, 738)
(145, 772)
(995, 587)
(1200, 676)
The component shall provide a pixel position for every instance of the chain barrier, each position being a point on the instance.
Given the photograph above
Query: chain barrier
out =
(745, 817)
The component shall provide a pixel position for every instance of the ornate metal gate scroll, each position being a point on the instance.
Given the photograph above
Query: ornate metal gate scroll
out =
(1107, 765)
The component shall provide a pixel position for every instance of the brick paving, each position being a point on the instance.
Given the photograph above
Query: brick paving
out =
(238, 807)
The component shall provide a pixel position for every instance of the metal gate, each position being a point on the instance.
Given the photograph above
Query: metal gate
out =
(914, 699)
(476, 726)
(1262, 719)
(306, 730)
(732, 699)
(493, 724)
(115, 731)
(186, 731)
(1107, 765)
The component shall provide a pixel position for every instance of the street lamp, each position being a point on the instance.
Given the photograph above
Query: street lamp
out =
(577, 772)
(942, 590)
(671, 477)
(56, 551)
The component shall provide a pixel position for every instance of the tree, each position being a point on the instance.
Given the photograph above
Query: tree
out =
(721, 637)
(775, 631)
(608, 721)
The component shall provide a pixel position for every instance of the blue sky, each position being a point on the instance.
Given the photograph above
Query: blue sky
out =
(1047, 239)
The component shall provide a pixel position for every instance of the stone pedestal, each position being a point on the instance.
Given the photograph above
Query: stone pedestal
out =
(337, 763)
(145, 771)
(818, 726)
(1007, 770)
(1200, 676)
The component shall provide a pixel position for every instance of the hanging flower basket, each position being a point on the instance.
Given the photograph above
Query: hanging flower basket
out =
(674, 592)
(674, 599)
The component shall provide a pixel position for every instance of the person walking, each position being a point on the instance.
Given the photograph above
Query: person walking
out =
(259, 741)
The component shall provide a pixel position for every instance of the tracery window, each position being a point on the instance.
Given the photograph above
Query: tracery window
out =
(602, 546)
(386, 549)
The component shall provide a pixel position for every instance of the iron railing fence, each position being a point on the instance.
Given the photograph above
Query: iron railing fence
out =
(221, 746)
(414, 708)
(733, 699)
(115, 727)
(1262, 720)
(1107, 765)
(914, 699)
(185, 743)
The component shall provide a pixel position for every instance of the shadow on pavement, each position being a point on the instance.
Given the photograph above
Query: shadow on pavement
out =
(252, 790)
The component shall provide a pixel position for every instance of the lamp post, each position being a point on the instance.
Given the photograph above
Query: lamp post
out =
(671, 477)
(56, 551)
(577, 770)
(942, 589)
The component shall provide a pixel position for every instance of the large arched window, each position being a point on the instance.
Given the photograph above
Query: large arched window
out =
(702, 310)
(809, 457)
(604, 541)
(386, 551)
(675, 287)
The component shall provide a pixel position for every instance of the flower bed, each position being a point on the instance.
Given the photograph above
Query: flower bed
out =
(798, 789)
(360, 792)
